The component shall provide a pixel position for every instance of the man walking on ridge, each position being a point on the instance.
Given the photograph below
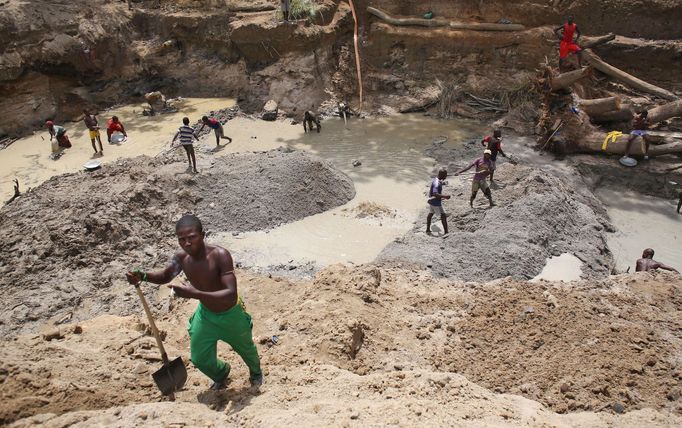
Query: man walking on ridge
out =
(567, 44)
(647, 263)
(187, 137)
(435, 201)
(220, 314)
(483, 166)
(494, 144)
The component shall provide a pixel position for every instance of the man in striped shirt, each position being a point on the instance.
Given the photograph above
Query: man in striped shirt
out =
(187, 137)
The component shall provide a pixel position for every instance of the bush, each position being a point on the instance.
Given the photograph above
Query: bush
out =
(300, 9)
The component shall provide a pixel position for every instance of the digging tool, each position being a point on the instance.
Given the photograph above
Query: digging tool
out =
(561, 123)
(173, 375)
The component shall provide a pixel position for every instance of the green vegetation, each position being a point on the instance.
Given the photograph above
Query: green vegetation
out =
(301, 9)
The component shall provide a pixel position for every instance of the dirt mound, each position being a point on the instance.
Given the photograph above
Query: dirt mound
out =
(537, 215)
(85, 229)
(380, 345)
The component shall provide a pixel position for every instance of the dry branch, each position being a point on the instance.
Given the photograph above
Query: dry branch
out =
(634, 82)
(485, 26)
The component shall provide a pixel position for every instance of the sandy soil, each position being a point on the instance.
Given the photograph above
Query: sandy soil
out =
(368, 345)
(87, 228)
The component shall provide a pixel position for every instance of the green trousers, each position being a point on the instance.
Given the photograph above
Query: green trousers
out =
(233, 327)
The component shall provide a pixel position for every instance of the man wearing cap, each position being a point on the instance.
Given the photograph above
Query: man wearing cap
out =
(483, 167)
(494, 144)
(435, 201)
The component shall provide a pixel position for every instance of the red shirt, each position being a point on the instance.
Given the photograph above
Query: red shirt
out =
(114, 126)
(569, 30)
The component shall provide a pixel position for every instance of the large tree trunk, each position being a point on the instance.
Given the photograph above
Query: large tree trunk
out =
(666, 111)
(634, 82)
(443, 23)
(592, 143)
(623, 114)
(599, 105)
(590, 42)
(564, 80)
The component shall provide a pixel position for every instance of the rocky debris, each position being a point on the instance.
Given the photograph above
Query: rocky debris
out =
(270, 111)
(356, 162)
(72, 229)
(537, 215)
(157, 104)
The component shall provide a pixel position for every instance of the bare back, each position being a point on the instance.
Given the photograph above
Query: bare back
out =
(646, 265)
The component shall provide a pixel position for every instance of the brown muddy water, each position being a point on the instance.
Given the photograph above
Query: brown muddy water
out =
(641, 222)
(393, 176)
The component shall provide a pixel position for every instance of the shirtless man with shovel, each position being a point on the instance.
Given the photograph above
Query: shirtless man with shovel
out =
(220, 314)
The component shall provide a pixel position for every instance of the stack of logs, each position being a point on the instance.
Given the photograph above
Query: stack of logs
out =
(613, 109)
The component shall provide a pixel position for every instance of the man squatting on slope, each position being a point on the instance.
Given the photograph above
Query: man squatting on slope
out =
(220, 314)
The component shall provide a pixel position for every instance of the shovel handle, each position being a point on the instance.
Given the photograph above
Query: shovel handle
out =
(155, 331)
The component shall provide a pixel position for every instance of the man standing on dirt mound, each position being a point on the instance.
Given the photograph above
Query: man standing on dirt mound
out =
(483, 166)
(494, 144)
(435, 201)
(567, 44)
(221, 314)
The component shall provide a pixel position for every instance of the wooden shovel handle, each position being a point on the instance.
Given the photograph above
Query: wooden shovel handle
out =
(155, 331)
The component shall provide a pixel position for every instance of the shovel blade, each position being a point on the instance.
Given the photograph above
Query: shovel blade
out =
(171, 377)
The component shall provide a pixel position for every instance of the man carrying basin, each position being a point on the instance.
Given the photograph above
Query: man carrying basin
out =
(220, 314)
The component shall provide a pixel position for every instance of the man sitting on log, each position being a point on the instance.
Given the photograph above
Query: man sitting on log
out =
(567, 45)
(640, 124)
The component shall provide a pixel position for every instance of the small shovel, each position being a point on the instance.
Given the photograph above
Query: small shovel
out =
(173, 375)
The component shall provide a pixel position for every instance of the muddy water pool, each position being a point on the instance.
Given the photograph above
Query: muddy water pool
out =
(641, 222)
(393, 175)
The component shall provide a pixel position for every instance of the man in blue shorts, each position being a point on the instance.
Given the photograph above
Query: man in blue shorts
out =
(217, 127)
(640, 124)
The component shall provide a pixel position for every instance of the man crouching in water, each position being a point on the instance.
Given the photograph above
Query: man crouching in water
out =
(647, 263)
(309, 117)
(221, 314)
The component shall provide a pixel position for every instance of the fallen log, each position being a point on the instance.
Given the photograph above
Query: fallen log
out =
(592, 143)
(624, 77)
(624, 113)
(591, 42)
(564, 80)
(420, 22)
(666, 111)
(599, 105)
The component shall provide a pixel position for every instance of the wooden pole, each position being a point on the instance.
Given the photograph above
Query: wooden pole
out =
(357, 50)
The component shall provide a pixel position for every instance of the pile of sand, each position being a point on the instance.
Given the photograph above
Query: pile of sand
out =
(379, 346)
(537, 215)
(67, 243)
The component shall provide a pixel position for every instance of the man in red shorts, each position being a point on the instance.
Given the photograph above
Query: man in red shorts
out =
(565, 34)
